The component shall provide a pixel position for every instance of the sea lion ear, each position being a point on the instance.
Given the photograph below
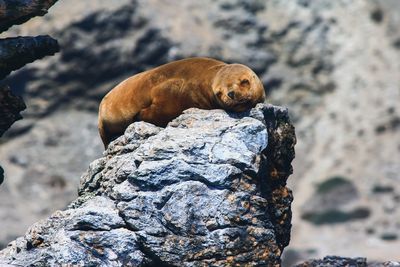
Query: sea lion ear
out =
(245, 83)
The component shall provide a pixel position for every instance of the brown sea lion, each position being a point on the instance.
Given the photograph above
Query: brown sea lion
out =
(161, 94)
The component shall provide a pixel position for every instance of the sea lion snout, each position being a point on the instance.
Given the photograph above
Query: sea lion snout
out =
(240, 97)
(240, 91)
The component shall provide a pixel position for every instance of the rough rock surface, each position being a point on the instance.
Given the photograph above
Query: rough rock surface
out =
(18, 51)
(334, 261)
(208, 190)
(18, 12)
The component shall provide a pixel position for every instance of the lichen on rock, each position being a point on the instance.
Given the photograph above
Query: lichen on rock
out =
(208, 190)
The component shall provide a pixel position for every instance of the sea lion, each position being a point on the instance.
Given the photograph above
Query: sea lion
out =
(161, 94)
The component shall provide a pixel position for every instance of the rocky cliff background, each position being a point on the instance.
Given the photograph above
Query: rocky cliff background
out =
(334, 64)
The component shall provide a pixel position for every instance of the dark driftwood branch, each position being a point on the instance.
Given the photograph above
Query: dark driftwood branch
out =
(18, 11)
(10, 107)
(16, 52)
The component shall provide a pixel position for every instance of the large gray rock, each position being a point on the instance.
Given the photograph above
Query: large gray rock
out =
(333, 261)
(208, 190)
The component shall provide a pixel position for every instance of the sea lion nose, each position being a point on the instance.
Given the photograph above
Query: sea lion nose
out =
(231, 94)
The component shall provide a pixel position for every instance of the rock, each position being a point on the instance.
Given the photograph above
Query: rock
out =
(10, 108)
(1, 175)
(341, 261)
(18, 12)
(208, 190)
(335, 261)
(18, 51)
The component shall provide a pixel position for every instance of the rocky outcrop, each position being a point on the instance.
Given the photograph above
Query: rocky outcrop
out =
(208, 190)
(341, 261)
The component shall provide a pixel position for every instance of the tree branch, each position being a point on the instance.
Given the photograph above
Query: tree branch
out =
(19, 11)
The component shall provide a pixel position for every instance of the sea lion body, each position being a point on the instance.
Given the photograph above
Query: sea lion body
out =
(161, 94)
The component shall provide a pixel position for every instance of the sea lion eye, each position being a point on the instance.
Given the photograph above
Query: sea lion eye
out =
(231, 94)
(244, 82)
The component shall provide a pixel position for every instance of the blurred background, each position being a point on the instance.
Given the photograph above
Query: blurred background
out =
(334, 64)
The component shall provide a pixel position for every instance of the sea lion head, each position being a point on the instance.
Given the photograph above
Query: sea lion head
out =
(237, 88)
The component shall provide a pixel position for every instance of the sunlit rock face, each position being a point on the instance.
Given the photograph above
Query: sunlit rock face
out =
(207, 190)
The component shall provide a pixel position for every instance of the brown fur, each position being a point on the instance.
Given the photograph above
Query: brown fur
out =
(161, 94)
